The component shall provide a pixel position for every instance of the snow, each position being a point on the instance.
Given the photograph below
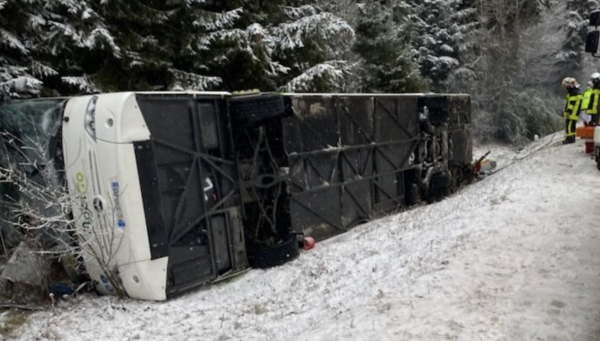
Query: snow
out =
(513, 257)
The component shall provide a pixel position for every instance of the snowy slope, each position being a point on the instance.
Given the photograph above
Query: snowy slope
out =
(514, 257)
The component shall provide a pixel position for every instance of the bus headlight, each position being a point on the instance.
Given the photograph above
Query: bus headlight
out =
(89, 120)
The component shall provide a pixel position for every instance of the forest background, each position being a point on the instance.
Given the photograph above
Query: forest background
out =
(510, 55)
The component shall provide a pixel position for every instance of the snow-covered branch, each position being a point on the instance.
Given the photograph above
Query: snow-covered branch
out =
(212, 21)
(324, 27)
(46, 214)
(9, 40)
(83, 84)
(330, 73)
(194, 81)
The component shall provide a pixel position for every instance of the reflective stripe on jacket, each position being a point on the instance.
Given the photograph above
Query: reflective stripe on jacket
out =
(573, 106)
(587, 97)
(590, 101)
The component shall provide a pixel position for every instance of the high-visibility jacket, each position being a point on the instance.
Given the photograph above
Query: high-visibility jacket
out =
(587, 97)
(573, 106)
(590, 101)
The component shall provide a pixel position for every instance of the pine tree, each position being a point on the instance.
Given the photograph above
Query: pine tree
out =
(311, 43)
(505, 109)
(163, 44)
(109, 45)
(20, 31)
(439, 35)
(384, 42)
(569, 60)
(249, 62)
(284, 44)
(123, 45)
(76, 41)
(463, 78)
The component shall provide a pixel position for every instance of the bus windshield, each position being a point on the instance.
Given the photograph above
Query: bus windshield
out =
(30, 148)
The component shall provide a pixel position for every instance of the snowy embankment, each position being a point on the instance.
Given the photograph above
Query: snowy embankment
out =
(513, 257)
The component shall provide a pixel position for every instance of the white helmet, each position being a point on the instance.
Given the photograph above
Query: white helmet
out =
(569, 82)
(595, 75)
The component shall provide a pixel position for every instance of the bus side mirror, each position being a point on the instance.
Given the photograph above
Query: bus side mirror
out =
(595, 18)
(591, 42)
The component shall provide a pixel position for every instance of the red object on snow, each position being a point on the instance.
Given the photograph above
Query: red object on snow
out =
(585, 132)
(589, 147)
(309, 243)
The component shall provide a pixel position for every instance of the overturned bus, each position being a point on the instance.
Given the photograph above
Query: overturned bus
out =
(173, 190)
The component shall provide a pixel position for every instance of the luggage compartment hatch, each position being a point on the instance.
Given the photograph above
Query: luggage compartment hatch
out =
(188, 179)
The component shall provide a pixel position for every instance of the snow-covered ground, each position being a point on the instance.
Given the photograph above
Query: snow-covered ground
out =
(513, 257)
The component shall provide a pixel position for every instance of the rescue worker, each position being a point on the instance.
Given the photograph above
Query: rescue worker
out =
(572, 108)
(591, 98)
